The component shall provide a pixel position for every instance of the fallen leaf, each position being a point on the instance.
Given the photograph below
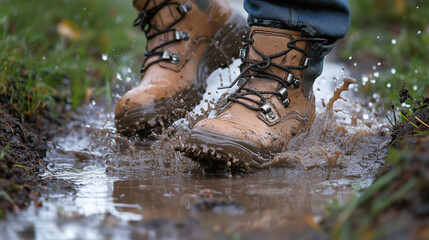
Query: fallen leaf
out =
(68, 29)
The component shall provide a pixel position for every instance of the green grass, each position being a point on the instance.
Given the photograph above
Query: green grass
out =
(39, 61)
(396, 35)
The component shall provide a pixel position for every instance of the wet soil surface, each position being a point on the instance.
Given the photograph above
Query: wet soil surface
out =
(23, 147)
(144, 189)
(399, 209)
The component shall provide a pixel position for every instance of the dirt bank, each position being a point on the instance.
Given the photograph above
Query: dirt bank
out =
(396, 206)
(23, 146)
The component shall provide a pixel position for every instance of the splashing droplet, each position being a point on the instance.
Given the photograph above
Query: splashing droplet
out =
(118, 76)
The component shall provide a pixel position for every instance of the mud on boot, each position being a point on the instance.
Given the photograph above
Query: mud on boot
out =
(274, 102)
(187, 40)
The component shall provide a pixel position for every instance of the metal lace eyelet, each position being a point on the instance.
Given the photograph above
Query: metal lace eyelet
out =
(266, 108)
(173, 58)
(296, 83)
(283, 92)
(289, 78)
(241, 82)
(178, 35)
(286, 103)
(271, 115)
(243, 53)
(306, 62)
(184, 8)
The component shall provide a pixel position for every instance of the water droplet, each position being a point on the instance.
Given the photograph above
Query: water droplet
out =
(104, 56)
(378, 37)
(415, 88)
(365, 79)
(388, 85)
(393, 71)
(416, 71)
(419, 32)
(44, 58)
(405, 105)
(393, 41)
(355, 64)
(350, 58)
(372, 81)
(376, 74)
(365, 116)
(379, 64)
(118, 76)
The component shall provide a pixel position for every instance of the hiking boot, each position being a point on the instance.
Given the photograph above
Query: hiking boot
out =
(186, 41)
(274, 102)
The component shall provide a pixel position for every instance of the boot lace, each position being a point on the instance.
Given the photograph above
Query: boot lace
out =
(144, 21)
(258, 69)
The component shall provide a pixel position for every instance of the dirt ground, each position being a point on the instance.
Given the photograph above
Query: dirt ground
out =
(399, 206)
(23, 145)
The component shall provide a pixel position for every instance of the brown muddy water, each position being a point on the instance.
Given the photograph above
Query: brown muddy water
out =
(132, 189)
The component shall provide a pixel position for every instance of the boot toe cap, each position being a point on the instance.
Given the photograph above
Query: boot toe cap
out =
(132, 100)
(231, 130)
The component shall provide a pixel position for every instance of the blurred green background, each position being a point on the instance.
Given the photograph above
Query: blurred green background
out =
(388, 41)
(66, 51)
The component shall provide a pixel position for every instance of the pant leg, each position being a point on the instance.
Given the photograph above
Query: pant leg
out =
(329, 19)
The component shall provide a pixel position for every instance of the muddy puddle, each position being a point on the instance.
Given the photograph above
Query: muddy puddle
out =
(131, 189)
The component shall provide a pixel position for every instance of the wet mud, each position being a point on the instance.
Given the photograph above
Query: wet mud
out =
(397, 207)
(23, 148)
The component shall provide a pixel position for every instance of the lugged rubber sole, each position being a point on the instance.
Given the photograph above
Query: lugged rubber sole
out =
(219, 152)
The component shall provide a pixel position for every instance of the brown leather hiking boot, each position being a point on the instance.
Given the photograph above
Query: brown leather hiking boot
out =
(274, 102)
(187, 40)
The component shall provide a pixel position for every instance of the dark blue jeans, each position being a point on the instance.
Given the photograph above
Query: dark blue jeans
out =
(328, 19)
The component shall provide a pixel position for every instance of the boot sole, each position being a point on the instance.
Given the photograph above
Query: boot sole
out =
(218, 152)
(220, 53)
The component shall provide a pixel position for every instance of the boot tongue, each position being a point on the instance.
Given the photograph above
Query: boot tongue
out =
(270, 41)
(163, 18)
